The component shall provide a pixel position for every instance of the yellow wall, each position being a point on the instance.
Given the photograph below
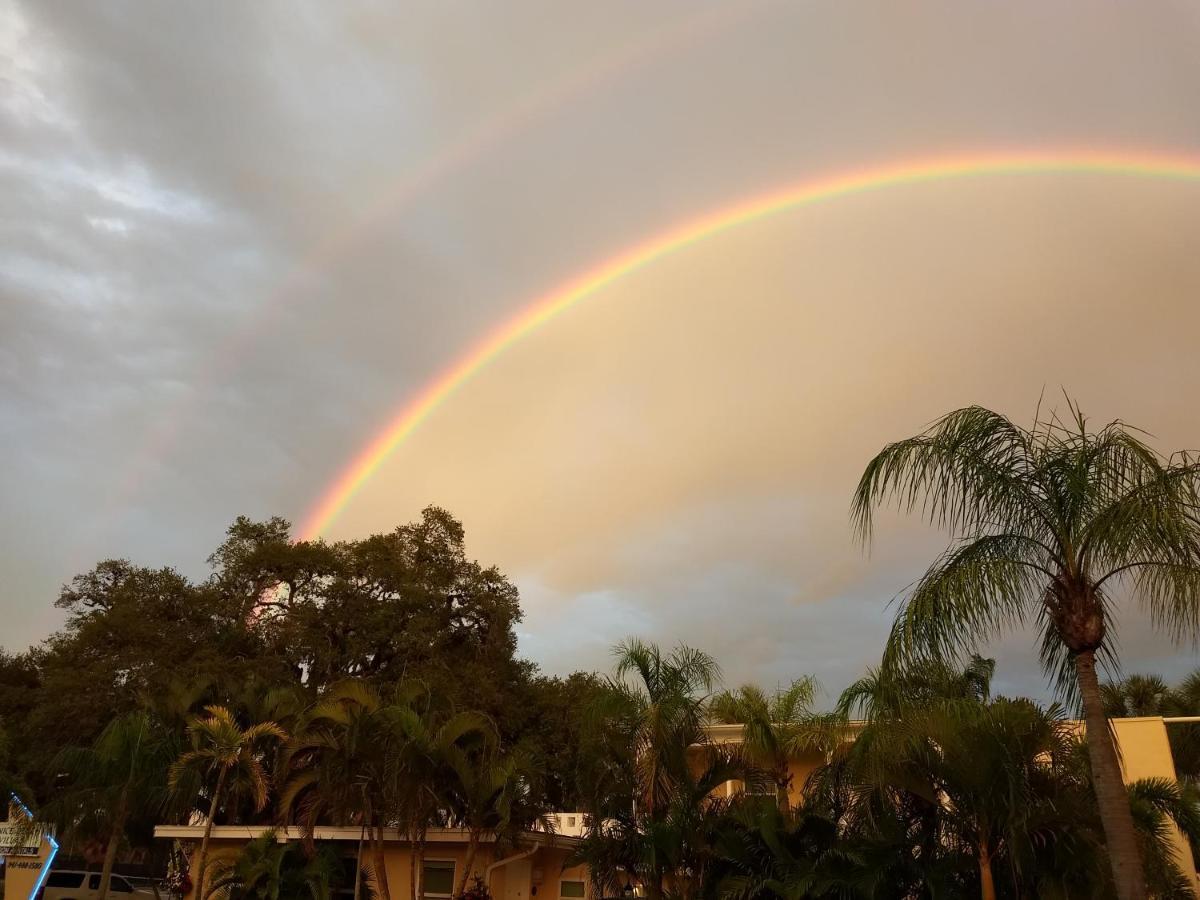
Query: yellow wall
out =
(1146, 753)
(513, 881)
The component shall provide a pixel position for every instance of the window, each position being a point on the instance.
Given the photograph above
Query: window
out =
(116, 884)
(571, 889)
(64, 880)
(437, 878)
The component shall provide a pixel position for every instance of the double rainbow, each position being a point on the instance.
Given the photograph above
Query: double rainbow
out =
(415, 410)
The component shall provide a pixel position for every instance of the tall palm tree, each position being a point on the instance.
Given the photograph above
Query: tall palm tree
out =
(432, 739)
(231, 758)
(649, 742)
(121, 777)
(1050, 524)
(489, 793)
(662, 697)
(777, 727)
(341, 767)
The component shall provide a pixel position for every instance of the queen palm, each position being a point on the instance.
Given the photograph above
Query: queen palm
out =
(777, 726)
(229, 757)
(641, 773)
(1050, 524)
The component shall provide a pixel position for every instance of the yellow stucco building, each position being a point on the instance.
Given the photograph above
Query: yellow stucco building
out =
(537, 869)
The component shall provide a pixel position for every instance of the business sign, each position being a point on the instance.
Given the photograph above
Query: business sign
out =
(19, 838)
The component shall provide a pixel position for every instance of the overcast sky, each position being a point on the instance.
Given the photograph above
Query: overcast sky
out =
(238, 236)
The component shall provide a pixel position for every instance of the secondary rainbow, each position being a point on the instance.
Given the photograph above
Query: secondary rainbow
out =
(557, 301)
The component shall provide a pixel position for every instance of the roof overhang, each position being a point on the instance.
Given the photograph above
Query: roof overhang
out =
(349, 833)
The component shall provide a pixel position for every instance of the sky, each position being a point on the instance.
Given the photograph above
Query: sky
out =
(238, 238)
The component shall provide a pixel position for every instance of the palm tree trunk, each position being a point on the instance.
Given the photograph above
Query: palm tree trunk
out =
(418, 859)
(781, 786)
(987, 884)
(362, 833)
(469, 860)
(114, 843)
(380, 865)
(202, 853)
(1111, 797)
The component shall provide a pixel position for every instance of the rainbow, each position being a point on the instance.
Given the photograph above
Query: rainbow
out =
(475, 144)
(562, 298)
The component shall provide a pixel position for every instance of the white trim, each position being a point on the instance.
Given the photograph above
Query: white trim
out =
(338, 833)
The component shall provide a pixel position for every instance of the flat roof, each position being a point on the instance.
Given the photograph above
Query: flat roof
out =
(348, 833)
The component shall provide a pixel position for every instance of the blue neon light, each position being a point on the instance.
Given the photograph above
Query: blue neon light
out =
(41, 879)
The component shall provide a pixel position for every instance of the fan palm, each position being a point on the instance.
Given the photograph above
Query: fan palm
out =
(776, 727)
(1136, 695)
(1049, 523)
(232, 756)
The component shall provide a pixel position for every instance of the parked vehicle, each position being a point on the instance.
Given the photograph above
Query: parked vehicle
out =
(69, 884)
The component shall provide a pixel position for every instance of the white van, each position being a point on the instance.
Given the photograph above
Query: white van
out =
(68, 884)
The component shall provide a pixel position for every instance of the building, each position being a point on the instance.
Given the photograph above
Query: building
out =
(536, 869)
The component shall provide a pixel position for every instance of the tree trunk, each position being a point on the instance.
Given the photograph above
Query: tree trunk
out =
(114, 843)
(782, 780)
(1111, 797)
(418, 856)
(380, 865)
(987, 885)
(468, 861)
(358, 861)
(202, 853)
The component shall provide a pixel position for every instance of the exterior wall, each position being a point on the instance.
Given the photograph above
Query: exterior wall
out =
(534, 878)
(1146, 753)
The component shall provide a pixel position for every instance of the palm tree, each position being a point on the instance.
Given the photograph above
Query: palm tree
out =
(664, 706)
(221, 748)
(489, 792)
(648, 745)
(777, 727)
(1136, 695)
(433, 740)
(1049, 523)
(121, 777)
(267, 869)
(341, 766)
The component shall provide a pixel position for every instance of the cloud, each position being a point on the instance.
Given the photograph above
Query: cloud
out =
(218, 280)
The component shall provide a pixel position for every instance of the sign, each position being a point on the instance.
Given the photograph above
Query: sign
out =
(19, 838)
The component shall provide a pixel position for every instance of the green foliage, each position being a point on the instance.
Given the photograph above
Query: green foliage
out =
(1049, 524)
(268, 869)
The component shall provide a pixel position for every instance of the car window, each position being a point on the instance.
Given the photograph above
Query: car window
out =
(120, 885)
(93, 882)
(64, 880)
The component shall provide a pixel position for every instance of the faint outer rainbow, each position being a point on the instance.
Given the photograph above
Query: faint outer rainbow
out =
(416, 409)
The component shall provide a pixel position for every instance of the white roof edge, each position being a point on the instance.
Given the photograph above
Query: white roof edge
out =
(342, 833)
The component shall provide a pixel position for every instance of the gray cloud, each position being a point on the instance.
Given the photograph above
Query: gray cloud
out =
(237, 236)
